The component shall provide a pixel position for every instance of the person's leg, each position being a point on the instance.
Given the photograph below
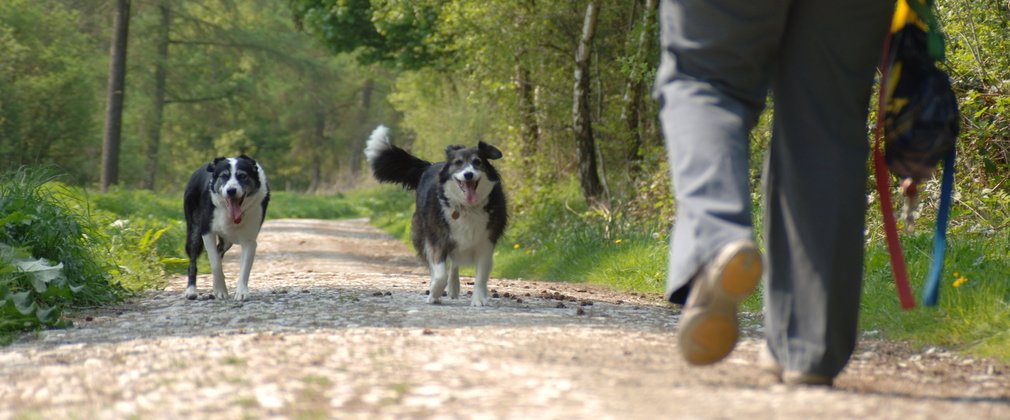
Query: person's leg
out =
(712, 84)
(816, 181)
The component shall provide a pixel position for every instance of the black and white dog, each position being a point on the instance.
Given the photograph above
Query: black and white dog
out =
(225, 204)
(460, 212)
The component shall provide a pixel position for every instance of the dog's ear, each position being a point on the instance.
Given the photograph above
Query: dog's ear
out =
(488, 151)
(452, 148)
(210, 166)
(244, 156)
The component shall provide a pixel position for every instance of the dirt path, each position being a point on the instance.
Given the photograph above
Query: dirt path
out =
(337, 327)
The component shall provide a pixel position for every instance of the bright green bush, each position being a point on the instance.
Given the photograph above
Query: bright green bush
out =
(52, 254)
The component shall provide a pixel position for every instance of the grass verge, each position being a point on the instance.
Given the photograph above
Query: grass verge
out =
(973, 313)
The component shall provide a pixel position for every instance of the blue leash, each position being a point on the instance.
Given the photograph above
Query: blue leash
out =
(931, 292)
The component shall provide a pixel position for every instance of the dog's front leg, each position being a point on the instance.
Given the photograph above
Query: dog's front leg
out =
(248, 254)
(480, 281)
(220, 288)
(454, 281)
(439, 278)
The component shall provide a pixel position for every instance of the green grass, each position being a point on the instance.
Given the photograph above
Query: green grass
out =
(630, 263)
(972, 315)
(288, 205)
(283, 205)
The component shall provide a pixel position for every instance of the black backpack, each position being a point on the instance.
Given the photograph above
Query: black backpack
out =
(920, 126)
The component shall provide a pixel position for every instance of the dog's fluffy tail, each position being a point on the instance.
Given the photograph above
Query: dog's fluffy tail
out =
(393, 164)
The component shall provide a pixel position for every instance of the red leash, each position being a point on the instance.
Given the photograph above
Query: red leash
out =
(884, 190)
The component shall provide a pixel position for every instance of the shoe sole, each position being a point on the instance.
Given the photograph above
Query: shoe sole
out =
(740, 276)
(709, 334)
(806, 379)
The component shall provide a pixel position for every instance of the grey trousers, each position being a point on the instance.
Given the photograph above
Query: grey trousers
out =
(817, 57)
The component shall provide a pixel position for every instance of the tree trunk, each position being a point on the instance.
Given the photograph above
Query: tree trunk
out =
(633, 92)
(114, 109)
(529, 130)
(358, 144)
(318, 139)
(589, 178)
(154, 128)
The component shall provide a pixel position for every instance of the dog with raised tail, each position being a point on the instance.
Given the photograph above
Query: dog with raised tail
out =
(460, 212)
(225, 203)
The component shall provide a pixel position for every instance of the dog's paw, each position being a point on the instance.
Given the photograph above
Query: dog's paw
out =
(191, 293)
(241, 294)
(221, 294)
(478, 301)
(432, 299)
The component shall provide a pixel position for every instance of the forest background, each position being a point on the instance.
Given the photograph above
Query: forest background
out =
(562, 87)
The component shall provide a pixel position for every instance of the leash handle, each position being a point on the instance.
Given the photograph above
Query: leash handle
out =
(931, 292)
(884, 189)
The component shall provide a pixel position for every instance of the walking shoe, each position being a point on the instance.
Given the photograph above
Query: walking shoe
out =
(770, 366)
(708, 324)
(809, 379)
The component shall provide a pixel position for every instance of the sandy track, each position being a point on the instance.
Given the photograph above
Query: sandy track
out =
(337, 326)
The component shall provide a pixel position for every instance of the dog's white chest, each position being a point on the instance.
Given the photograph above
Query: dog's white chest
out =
(469, 230)
(241, 233)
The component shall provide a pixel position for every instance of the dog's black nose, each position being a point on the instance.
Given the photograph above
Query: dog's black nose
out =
(231, 192)
(468, 176)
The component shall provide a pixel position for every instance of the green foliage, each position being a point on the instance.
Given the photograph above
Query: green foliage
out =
(147, 234)
(398, 31)
(52, 255)
(442, 114)
(141, 203)
(47, 89)
(979, 66)
(241, 79)
(472, 92)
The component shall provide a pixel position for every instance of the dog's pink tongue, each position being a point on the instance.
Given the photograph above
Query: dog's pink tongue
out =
(470, 189)
(234, 210)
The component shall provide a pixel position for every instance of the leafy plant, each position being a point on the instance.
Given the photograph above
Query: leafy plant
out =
(45, 223)
(24, 309)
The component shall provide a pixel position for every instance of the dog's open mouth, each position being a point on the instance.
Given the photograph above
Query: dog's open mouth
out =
(469, 190)
(234, 206)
